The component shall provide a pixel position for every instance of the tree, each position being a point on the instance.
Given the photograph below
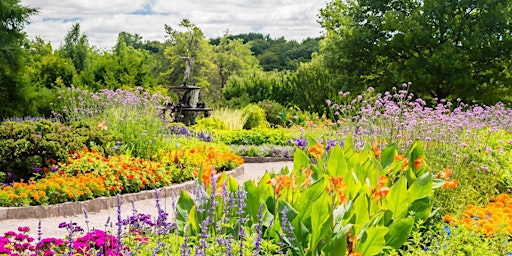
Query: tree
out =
(233, 57)
(13, 18)
(189, 43)
(448, 49)
(76, 47)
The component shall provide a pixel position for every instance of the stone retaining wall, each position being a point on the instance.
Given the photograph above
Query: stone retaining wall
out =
(98, 204)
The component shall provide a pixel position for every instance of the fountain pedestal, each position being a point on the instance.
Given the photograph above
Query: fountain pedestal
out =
(188, 106)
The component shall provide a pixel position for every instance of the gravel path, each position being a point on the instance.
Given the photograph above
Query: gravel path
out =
(99, 219)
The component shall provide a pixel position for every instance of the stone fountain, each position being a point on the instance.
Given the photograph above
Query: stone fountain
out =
(188, 106)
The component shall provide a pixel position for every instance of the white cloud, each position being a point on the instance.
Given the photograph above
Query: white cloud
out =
(102, 20)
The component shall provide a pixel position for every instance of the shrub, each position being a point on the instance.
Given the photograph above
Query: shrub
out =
(272, 111)
(258, 136)
(255, 116)
(233, 118)
(30, 144)
(209, 123)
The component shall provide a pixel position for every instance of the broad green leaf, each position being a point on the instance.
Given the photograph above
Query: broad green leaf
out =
(437, 183)
(398, 232)
(421, 207)
(183, 207)
(232, 184)
(372, 241)
(361, 211)
(300, 160)
(305, 202)
(336, 164)
(388, 155)
(422, 187)
(396, 199)
(252, 199)
(320, 222)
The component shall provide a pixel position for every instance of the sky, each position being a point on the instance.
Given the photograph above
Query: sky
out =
(102, 20)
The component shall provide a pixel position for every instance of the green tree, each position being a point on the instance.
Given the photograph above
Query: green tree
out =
(448, 49)
(233, 57)
(13, 18)
(189, 43)
(76, 47)
(45, 68)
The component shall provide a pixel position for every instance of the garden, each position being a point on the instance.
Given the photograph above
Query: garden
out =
(378, 174)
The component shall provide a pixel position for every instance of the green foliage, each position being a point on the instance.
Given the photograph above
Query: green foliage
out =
(142, 134)
(447, 49)
(233, 57)
(29, 144)
(209, 123)
(234, 119)
(482, 168)
(76, 48)
(13, 86)
(276, 53)
(272, 111)
(441, 239)
(257, 136)
(255, 117)
(326, 202)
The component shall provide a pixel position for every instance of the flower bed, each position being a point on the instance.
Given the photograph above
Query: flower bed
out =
(88, 174)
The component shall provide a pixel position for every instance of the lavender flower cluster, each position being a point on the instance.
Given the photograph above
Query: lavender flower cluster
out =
(75, 104)
(400, 116)
(183, 131)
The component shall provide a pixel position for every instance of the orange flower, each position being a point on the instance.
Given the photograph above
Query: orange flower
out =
(336, 185)
(445, 174)
(447, 218)
(279, 182)
(317, 150)
(451, 184)
(382, 181)
(376, 150)
(381, 189)
(399, 158)
(418, 163)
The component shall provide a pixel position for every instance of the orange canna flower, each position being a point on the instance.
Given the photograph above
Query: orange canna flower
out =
(279, 182)
(451, 184)
(336, 185)
(418, 163)
(376, 150)
(445, 174)
(399, 158)
(382, 181)
(317, 150)
(381, 189)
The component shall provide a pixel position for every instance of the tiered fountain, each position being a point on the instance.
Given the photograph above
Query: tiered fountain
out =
(188, 106)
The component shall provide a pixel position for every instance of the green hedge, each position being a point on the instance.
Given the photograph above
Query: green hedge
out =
(258, 136)
(33, 144)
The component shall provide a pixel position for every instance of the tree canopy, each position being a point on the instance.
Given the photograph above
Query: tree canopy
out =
(13, 18)
(448, 49)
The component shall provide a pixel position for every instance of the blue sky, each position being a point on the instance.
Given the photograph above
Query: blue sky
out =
(102, 20)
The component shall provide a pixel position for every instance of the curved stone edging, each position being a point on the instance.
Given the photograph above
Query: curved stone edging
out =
(100, 203)
(251, 159)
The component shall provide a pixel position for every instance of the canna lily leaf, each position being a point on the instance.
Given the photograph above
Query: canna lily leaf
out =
(336, 164)
(396, 200)
(388, 156)
(398, 232)
(372, 241)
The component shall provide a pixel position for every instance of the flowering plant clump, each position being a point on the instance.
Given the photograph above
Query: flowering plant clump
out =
(88, 174)
(493, 218)
(21, 243)
(340, 201)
